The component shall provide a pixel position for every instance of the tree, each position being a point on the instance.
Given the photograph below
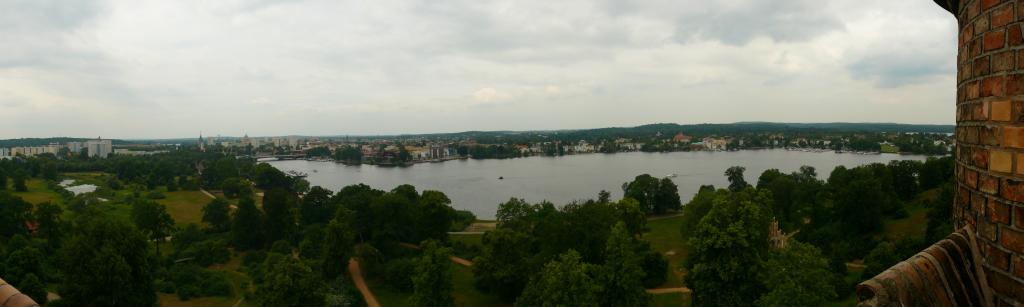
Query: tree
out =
(247, 225)
(630, 213)
(268, 177)
(316, 206)
(107, 263)
(50, 225)
(727, 248)
(3, 179)
(289, 282)
(644, 189)
(22, 262)
(19, 180)
(235, 187)
(339, 241)
(14, 212)
(621, 275)
(667, 198)
(152, 219)
(217, 214)
(698, 207)
(736, 181)
(566, 281)
(940, 217)
(278, 206)
(504, 264)
(432, 282)
(881, 258)
(33, 287)
(435, 215)
(904, 177)
(797, 276)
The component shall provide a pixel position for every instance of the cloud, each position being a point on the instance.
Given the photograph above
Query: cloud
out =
(349, 67)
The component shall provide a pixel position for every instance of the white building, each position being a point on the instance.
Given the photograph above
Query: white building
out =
(5, 153)
(99, 147)
(75, 147)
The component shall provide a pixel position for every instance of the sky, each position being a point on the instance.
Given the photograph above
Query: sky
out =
(167, 69)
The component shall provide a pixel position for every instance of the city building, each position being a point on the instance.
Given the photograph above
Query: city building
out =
(5, 153)
(75, 147)
(99, 147)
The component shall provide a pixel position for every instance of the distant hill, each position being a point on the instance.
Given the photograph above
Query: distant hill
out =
(577, 134)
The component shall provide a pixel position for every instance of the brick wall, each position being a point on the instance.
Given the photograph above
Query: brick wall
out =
(990, 137)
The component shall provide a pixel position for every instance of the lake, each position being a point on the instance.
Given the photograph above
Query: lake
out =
(474, 185)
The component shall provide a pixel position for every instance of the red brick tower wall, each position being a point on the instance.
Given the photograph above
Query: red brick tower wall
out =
(990, 137)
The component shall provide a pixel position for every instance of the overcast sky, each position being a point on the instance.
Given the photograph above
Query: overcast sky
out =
(162, 69)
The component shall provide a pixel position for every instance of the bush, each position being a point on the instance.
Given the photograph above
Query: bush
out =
(655, 269)
(155, 195)
(208, 252)
(398, 273)
(191, 281)
(462, 220)
(468, 251)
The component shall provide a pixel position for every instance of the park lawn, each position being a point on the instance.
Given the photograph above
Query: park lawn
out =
(466, 294)
(37, 192)
(665, 237)
(233, 270)
(671, 300)
(386, 296)
(916, 224)
(185, 206)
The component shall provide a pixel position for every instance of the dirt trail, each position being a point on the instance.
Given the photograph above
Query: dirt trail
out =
(357, 278)
(669, 290)
(208, 193)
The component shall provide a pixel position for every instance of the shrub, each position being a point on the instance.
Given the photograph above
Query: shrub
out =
(398, 273)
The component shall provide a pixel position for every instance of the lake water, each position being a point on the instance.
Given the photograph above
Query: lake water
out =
(474, 185)
(68, 184)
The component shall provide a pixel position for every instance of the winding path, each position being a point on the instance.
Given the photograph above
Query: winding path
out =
(669, 290)
(357, 278)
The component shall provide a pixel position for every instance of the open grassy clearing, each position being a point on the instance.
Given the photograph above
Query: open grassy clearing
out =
(466, 295)
(916, 223)
(37, 192)
(185, 206)
(665, 237)
(671, 300)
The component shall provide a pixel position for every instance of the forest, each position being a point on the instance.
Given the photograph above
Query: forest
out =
(265, 238)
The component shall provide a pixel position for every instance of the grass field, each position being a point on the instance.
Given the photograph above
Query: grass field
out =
(185, 206)
(466, 295)
(671, 300)
(916, 224)
(37, 192)
(665, 237)
(387, 296)
(233, 270)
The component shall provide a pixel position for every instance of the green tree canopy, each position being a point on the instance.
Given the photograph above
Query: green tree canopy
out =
(152, 219)
(727, 247)
(621, 276)
(797, 276)
(566, 281)
(432, 281)
(287, 281)
(736, 181)
(107, 262)
(247, 225)
(339, 242)
(217, 215)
